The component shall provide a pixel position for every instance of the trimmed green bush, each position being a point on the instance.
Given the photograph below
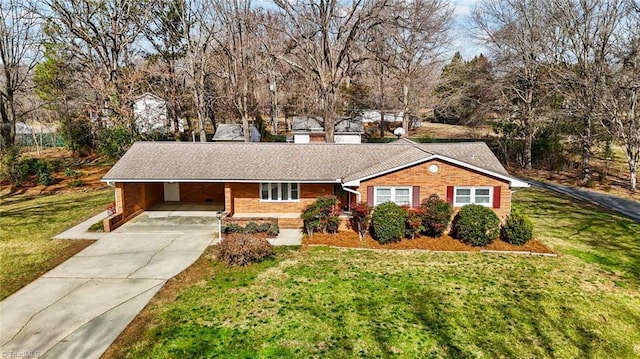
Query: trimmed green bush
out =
(273, 230)
(241, 249)
(388, 222)
(477, 225)
(437, 215)
(264, 227)
(232, 228)
(518, 229)
(251, 227)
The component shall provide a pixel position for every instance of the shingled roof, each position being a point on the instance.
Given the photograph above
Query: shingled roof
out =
(262, 162)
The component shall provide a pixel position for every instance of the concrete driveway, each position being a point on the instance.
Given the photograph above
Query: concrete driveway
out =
(78, 309)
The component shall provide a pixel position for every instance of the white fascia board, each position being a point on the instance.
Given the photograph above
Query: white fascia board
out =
(141, 180)
(513, 182)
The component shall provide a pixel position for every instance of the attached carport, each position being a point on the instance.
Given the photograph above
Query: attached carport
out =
(132, 198)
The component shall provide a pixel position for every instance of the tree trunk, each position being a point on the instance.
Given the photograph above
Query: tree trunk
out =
(405, 102)
(528, 142)
(274, 106)
(586, 150)
(329, 115)
(7, 127)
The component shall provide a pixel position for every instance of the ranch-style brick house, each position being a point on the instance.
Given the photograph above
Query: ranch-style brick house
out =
(278, 180)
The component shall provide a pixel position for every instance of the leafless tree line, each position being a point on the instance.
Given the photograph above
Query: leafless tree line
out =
(215, 60)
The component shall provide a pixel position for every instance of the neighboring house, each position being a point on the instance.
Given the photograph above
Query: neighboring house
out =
(150, 114)
(374, 116)
(309, 129)
(279, 180)
(233, 133)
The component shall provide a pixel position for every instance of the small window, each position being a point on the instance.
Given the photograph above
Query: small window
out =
(279, 192)
(398, 195)
(473, 195)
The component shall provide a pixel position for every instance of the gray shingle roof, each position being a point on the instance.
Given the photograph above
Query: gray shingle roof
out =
(233, 132)
(342, 124)
(180, 161)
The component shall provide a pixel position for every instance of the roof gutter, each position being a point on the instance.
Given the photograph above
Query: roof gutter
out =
(358, 194)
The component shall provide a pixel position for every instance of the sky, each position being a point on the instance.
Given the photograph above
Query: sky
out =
(463, 42)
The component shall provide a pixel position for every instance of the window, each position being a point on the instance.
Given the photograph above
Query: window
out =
(279, 192)
(399, 195)
(473, 195)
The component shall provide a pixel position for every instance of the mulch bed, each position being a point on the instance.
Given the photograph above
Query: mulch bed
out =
(350, 239)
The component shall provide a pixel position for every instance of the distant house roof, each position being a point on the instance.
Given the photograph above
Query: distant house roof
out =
(280, 162)
(343, 125)
(233, 132)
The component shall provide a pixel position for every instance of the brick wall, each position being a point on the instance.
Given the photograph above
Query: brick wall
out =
(447, 175)
(245, 198)
(202, 192)
(133, 197)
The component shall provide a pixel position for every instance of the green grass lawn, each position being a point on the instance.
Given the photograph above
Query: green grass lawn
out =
(28, 223)
(322, 302)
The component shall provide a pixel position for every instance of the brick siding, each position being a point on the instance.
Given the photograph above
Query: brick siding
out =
(202, 192)
(447, 175)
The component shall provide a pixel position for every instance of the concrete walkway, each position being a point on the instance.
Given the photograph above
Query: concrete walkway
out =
(624, 206)
(81, 230)
(78, 309)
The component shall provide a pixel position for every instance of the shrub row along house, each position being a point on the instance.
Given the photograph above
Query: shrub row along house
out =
(278, 180)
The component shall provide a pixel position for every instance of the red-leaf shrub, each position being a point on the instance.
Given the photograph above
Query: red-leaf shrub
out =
(436, 215)
(413, 224)
(360, 218)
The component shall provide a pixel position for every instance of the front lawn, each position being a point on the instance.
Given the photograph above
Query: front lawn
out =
(28, 223)
(325, 302)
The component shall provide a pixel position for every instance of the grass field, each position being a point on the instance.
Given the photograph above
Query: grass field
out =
(321, 302)
(28, 222)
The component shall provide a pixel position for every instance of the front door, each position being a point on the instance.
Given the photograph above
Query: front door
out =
(171, 192)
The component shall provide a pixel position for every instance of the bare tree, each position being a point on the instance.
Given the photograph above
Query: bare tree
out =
(583, 38)
(165, 33)
(20, 35)
(238, 48)
(621, 97)
(99, 36)
(321, 37)
(417, 39)
(514, 31)
(197, 25)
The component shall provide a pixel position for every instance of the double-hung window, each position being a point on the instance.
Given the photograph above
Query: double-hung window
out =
(279, 192)
(473, 195)
(399, 195)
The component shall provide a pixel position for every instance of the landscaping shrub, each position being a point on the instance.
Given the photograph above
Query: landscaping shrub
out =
(360, 218)
(273, 230)
(45, 177)
(12, 166)
(322, 215)
(251, 227)
(518, 229)
(413, 225)
(76, 183)
(241, 249)
(436, 215)
(232, 228)
(388, 222)
(264, 227)
(477, 225)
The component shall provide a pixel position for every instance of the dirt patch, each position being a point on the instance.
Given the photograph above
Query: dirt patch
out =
(445, 243)
(88, 172)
